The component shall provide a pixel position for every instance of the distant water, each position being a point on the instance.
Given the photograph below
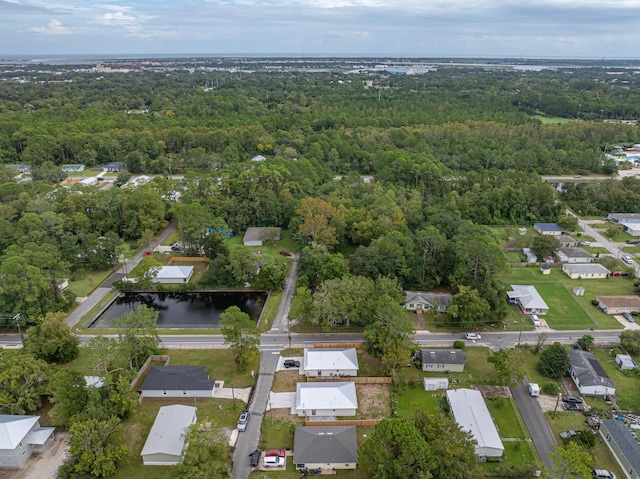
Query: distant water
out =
(184, 310)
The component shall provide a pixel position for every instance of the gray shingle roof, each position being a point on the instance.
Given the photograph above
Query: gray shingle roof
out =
(588, 370)
(330, 444)
(575, 252)
(625, 441)
(443, 356)
(160, 378)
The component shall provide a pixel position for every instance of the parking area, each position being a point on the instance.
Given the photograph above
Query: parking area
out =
(282, 359)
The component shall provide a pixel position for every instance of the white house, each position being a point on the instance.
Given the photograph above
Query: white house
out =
(623, 445)
(326, 399)
(330, 362)
(177, 381)
(167, 439)
(173, 274)
(625, 361)
(433, 384)
(426, 300)
(325, 447)
(472, 415)
(588, 374)
(255, 236)
(434, 360)
(528, 299)
(551, 229)
(20, 436)
(585, 271)
(574, 255)
(89, 181)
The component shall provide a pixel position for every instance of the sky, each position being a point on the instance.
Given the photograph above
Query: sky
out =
(469, 28)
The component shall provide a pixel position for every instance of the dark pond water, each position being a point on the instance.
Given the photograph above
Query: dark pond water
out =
(184, 310)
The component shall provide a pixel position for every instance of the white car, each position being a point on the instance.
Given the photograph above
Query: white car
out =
(627, 259)
(473, 336)
(273, 461)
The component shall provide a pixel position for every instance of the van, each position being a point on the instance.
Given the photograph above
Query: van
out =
(534, 390)
(535, 321)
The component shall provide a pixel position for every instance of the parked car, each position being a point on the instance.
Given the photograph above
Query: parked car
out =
(572, 406)
(146, 253)
(572, 399)
(633, 241)
(243, 420)
(628, 317)
(568, 434)
(602, 474)
(291, 363)
(627, 259)
(275, 452)
(254, 458)
(472, 336)
(273, 461)
(619, 273)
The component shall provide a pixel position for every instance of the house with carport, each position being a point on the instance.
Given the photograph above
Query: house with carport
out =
(328, 362)
(326, 399)
(20, 436)
(527, 298)
(585, 271)
(472, 415)
(326, 448)
(177, 382)
(442, 360)
(588, 374)
(624, 446)
(168, 437)
(618, 304)
(574, 255)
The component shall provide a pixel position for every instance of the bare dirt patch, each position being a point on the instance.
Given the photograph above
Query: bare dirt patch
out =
(42, 465)
(494, 391)
(285, 415)
(285, 381)
(373, 401)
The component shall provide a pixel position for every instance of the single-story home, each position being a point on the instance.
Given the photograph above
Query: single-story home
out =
(425, 300)
(167, 439)
(442, 359)
(22, 168)
(255, 236)
(326, 399)
(258, 158)
(173, 274)
(325, 362)
(20, 436)
(632, 228)
(529, 256)
(433, 384)
(566, 241)
(618, 304)
(626, 217)
(137, 181)
(551, 229)
(574, 255)
(115, 166)
(325, 447)
(585, 271)
(588, 374)
(623, 445)
(472, 415)
(527, 298)
(177, 381)
(73, 168)
(625, 361)
(89, 181)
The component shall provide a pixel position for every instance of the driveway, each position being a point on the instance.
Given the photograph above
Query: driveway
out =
(536, 422)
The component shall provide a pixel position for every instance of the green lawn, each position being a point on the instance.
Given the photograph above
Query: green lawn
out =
(627, 382)
(83, 283)
(504, 414)
(545, 120)
(414, 398)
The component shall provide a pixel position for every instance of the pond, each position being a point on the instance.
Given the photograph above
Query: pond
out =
(184, 310)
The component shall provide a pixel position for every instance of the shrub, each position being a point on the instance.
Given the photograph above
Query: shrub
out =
(551, 389)
(458, 344)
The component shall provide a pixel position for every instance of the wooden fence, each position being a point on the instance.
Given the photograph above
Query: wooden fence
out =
(147, 364)
(189, 259)
(337, 345)
(345, 422)
(357, 380)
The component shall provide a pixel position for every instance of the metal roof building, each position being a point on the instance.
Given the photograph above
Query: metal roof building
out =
(167, 439)
(623, 445)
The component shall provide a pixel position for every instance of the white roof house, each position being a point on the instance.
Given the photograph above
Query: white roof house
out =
(330, 362)
(585, 271)
(472, 415)
(89, 181)
(173, 274)
(528, 299)
(326, 399)
(20, 436)
(167, 439)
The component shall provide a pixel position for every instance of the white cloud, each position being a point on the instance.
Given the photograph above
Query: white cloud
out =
(117, 19)
(54, 27)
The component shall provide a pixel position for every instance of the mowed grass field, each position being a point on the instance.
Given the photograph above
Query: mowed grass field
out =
(566, 310)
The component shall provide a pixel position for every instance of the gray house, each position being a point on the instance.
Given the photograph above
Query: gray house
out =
(623, 445)
(330, 447)
(167, 438)
(177, 381)
(588, 374)
(115, 166)
(426, 300)
(439, 360)
(574, 255)
(20, 436)
(255, 236)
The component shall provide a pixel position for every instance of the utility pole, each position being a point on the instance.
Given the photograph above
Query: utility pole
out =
(16, 318)
(556, 408)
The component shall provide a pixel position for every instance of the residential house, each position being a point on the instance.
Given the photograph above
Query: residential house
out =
(625, 362)
(529, 256)
(173, 274)
(528, 299)
(618, 304)
(548, 229)
(588, 374)
(566, 241)
(168, 437)
(574, 255)
(115, 166)
(258, 158)
(255, 236)
(88, 181)
(20, 168)
(20, 436)
(325, 448)
(137, 181)
(433, 384)
(624, 217)
(323, 362)
(73, 168)
(450, 360)
(624, 446)
(426, 300)
(585, 271)
(472, 415)
(632, 228)
(326, 399)
(177, 381)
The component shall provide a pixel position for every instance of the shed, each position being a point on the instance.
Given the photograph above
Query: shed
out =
(578, 291)
(529, 255)
(325, 447)
(625, 361)
(173, 274)
(522, 231)
(545, 268)
(432, 384)
(167, 439)
(623, 445)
